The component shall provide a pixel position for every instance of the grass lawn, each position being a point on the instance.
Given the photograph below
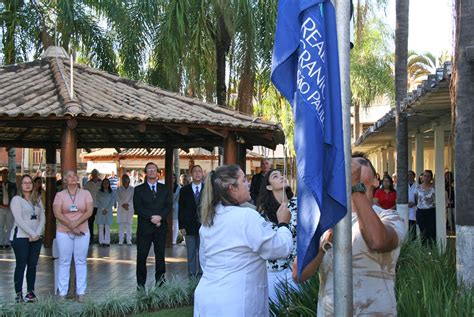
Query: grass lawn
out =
(177, 312)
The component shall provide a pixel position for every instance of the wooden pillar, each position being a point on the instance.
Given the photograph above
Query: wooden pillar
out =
(230, 149)
(69, 163)
(69, 147)
(50, 228)
(169, 184)
(242, 156)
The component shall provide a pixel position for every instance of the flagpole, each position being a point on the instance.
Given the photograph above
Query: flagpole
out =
(342, 231)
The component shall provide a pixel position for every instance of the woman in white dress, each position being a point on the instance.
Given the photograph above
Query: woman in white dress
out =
(125, 209)
(105, 201)
(235, 244)
(275, 193)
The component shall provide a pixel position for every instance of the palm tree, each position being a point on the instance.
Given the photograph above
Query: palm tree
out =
(194, 41)
(33, 26)
(462, 94)
(401, 52)
(419, 66)
(371, 73)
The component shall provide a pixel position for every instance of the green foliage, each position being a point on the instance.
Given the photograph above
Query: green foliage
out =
(425, 286)
(174, 293)
(371, 73)
(177, 312)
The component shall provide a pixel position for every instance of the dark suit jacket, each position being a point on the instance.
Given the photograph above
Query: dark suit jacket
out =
(188, 210)
(11, 189)
(146, 205)
(255, 185)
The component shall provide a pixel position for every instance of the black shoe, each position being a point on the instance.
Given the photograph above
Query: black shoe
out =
(19, 298)
(30, 297)
(6, 247)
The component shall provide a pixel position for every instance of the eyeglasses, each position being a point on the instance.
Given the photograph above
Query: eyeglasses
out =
(151, 170)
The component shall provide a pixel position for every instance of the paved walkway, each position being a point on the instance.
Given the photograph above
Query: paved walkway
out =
(110, 269)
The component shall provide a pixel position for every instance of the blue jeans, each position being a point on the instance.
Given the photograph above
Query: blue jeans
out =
(192, 247)
(27, 255)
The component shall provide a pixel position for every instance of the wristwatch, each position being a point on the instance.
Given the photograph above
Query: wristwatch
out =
(359, 188)
(326, 246)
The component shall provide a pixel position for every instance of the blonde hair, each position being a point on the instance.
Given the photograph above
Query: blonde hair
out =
(64, 177)
(216, 190)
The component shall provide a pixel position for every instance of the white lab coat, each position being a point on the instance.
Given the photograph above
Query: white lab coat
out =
(233, 256)
(125, 196)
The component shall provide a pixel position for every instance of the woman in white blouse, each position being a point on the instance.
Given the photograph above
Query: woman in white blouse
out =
(25, 237)
(235, 244)
(125, 209)
(426, 208)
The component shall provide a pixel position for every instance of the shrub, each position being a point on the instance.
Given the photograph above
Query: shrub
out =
(426, 286)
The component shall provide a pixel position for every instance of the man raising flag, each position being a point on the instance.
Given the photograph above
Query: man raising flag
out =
(306, 71)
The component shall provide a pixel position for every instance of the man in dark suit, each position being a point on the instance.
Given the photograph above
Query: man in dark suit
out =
(265, 166)
(188, 216)
(152, 203)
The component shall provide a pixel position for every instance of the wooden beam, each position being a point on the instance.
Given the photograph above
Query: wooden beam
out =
(179, 130)
(169, 184)
(222, 133)
(68, 150)
(50, 226)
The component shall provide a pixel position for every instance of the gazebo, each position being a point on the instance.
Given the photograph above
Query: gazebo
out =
(53, 103)
(136, 158)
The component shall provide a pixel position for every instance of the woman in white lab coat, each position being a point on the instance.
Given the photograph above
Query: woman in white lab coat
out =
(125, 209)
(235, 244)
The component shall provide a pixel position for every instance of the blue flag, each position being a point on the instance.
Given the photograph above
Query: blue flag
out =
(306, 71)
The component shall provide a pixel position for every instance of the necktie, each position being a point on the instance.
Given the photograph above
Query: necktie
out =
(153, 189)
(197, 194)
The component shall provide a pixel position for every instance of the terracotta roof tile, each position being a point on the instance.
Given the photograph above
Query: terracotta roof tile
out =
(40, 89)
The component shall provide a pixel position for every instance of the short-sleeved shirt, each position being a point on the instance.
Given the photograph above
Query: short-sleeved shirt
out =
(373, 273)
(386, 200)
(425, 198)
(65, 200)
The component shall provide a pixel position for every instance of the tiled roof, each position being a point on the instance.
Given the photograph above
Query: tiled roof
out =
(430, 101)
(155, 152)
(39, 90)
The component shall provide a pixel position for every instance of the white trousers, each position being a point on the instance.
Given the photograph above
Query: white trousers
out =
(6, 225)
(104, 234)
(280, 280)
(70, 245)
(127, 227)
(175, 230)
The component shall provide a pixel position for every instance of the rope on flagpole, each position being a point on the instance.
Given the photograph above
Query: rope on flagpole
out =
(285, 171)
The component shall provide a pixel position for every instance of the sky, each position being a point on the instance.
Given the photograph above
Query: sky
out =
(430, 25)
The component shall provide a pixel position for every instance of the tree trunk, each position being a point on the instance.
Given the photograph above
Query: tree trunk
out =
(464, 142)
(11, 18)
(247, 80)
(356, 120)
(222, 48)
(401, 57)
